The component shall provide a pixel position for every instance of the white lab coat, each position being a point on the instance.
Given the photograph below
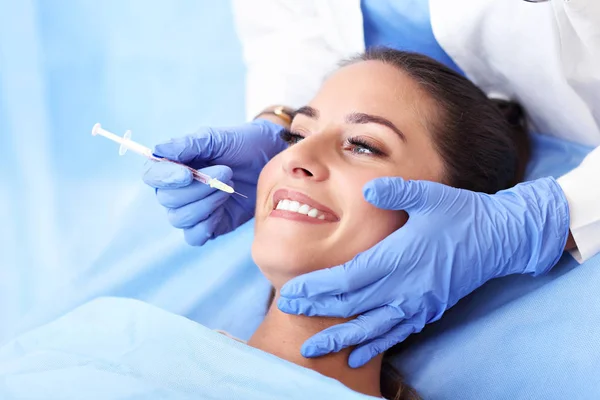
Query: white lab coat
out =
(546, 56)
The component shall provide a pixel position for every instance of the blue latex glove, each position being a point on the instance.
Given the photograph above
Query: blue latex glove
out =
(454, 241)
(234, 156)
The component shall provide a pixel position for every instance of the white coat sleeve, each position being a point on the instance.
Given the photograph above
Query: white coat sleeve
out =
(578, 24)
(290, 46)
(582, 189)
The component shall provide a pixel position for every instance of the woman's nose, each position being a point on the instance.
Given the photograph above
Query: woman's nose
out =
(306, 160)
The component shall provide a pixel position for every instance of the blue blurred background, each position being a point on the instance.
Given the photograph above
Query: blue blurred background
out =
(161, 69)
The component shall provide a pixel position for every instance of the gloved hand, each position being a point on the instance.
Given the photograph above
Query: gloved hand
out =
(234, 156)
(454, 241)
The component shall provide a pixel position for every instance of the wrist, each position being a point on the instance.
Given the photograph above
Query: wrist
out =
(546, 223)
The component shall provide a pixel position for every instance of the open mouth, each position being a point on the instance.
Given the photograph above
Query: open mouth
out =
(298, 206)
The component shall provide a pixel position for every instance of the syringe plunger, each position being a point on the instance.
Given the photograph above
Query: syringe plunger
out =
(125, 141)
(128, 144)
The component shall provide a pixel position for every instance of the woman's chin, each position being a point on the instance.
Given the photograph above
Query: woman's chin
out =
(283, 263)
(279, 272)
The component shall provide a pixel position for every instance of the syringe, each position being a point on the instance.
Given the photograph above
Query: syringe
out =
(128, 144)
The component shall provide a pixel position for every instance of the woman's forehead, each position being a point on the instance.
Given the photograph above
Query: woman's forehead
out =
(373, 87)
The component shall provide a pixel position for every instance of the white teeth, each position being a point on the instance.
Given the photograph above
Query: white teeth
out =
(304, 209)
(294, 206)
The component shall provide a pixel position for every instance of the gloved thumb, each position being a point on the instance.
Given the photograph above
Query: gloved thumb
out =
(392, 193)
(205, 145)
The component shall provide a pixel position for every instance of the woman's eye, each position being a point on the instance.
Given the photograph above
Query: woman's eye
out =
(361, 146)
(361, 150)
(290, 137)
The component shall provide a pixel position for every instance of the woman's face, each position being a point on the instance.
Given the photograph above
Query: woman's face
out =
(366, 121)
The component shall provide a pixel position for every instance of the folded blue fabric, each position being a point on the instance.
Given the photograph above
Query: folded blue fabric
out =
(115, 348)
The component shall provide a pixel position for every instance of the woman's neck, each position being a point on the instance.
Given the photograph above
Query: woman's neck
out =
(283, 335)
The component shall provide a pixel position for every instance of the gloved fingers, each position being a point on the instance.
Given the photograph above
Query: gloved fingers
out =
(220, 172)
(365, 352)
(205, 230)
(367, 326)
(164, 175)
(191, 214)
(309, 307)
(357, 273)
(338, 305)
(195, 191)
(392, 193)
(205, 145)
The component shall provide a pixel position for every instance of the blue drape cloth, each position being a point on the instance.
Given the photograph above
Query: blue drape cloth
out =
(112, 349)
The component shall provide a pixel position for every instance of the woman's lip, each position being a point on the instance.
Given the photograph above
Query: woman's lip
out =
(302, 198)
(294, 216)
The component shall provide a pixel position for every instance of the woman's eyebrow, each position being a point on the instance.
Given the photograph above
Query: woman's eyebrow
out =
(308, 111)
(362, 118)
(353, 118)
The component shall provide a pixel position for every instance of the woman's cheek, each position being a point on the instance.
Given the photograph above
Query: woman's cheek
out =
(380, 224)
(395, 220)
(265, 184)
(365, 225)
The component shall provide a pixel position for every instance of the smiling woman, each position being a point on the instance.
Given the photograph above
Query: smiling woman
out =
(384, 113)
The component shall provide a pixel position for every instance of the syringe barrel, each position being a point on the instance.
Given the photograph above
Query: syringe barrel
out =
(136, 147)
